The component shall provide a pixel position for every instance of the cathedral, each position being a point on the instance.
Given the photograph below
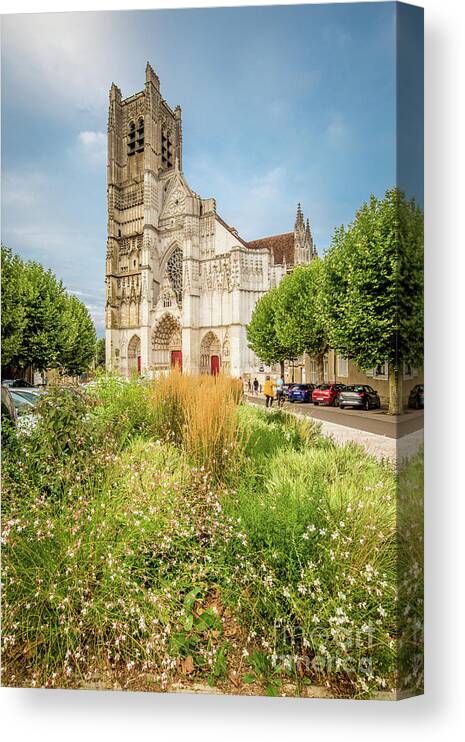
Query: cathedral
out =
(181, 284)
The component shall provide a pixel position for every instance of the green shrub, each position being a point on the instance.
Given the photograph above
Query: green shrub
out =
(411, 574)
(99, 583)
(124, 406)
(64, 449)
(318, 564)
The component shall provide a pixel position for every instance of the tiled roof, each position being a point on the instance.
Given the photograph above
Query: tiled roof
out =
(281, 247)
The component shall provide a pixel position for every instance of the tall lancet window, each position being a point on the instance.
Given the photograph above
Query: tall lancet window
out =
(140, 135)
(167, 150)
(132, 139)
(174, 271)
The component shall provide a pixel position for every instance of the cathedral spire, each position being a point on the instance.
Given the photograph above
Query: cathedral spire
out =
(151, 76)
(299, 220)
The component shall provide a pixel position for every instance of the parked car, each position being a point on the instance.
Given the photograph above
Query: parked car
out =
(327, 394)
(17, 383)
(21, 403)
(286, 389)
(416, 397)
(359, 395)
(300, 392)
(31, 395)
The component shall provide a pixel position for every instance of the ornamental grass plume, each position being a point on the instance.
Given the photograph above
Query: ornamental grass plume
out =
(200, 414)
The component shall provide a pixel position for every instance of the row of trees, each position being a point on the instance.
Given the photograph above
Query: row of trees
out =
(364, 299)
(42, 326)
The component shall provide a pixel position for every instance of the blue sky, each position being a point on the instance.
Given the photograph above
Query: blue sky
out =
(280, 104)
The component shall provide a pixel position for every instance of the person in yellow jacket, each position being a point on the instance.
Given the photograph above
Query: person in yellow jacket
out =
(268, 391)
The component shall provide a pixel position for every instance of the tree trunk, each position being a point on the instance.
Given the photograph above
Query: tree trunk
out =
(320, 368)
(395, 391)
(281, 365)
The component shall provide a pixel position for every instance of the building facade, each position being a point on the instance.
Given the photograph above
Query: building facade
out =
(181, 284)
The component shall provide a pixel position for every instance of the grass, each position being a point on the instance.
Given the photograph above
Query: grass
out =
(175, 533)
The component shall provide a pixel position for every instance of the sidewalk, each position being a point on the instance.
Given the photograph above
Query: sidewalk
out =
(381, 446)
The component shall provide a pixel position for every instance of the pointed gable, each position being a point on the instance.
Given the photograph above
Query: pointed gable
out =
(175, 198)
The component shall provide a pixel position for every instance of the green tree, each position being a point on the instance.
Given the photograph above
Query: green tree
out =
(298, 316)
(372, 288)
(100, 352)
(13, 311)
(44, 305)
(79, 339)
(262, 335)
(42, 326)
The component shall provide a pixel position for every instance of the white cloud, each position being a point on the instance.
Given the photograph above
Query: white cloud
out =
(60, 61)
(91, 146)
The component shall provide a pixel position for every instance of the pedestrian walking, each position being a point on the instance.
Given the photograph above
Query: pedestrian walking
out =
(255, 387)
(269, 392)
(280, 391)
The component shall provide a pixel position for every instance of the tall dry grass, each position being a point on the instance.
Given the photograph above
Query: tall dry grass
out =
(200, 414)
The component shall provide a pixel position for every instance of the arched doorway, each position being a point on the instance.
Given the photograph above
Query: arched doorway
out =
(167, 343)
(210, 351)
(134, 359)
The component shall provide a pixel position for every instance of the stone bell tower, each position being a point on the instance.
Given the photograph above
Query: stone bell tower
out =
(144, 148)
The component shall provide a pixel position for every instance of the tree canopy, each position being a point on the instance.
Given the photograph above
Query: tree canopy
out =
(100, 352)
(261, 331)
(372, 290)
(298, 316)
(372, 286)
(42, 326)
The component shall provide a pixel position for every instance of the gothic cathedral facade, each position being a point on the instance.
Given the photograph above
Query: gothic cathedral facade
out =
(181, 284)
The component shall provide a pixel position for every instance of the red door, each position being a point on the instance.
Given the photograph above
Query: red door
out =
(138, 364)
(215, 365)
(176, 359)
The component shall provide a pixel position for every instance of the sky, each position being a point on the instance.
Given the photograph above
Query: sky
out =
(280, 105)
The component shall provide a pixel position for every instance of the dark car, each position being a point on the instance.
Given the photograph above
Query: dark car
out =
(416, 397)
(300, 392)
(286, 389)
(17, 383)
(359, 395)
(327, 394)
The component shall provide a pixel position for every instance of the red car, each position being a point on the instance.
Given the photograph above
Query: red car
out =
(327, 394)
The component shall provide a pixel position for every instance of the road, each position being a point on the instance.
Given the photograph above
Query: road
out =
(377, 422)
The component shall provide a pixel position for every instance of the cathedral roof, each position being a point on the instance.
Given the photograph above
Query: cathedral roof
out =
(233, 231)
(281, 247)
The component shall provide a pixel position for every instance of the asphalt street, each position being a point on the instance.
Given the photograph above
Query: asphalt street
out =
(374, 421)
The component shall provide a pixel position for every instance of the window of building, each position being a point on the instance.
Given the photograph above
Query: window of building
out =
(166, 149)
(342, 366)
(313, 371)
(174, 271)
(409, 371)
(379, 372)
(140, 135)
(132, 139)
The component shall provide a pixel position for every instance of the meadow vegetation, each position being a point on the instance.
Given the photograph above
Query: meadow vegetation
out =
(165, 532)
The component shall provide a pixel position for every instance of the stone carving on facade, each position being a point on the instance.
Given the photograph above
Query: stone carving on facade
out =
(176, 202)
